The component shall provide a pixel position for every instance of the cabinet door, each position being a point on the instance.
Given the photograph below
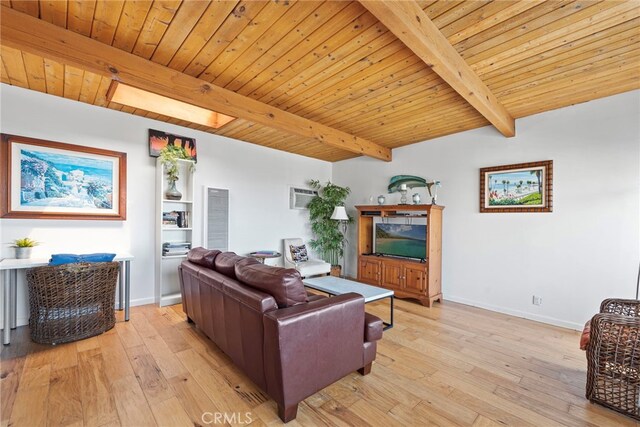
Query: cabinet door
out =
(392, 274)
(370, 271)
(415, 279)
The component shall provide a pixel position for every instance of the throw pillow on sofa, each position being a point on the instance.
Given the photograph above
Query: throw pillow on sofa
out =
(299, 253)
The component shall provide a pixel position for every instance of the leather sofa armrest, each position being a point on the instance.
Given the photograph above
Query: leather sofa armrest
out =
(372, 328)
(310, 346)
(316, 307)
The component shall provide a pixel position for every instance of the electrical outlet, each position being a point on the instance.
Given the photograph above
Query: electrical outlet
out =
(536, 300)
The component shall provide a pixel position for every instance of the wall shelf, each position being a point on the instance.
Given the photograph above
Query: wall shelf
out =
(167, 281)
(177, 201)
(173, 256)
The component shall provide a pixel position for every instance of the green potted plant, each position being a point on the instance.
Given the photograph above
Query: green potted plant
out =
(169, 157)
(23, 247)
(328, 240)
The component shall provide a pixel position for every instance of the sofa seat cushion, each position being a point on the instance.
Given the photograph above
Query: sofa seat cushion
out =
(225, 263)
(313, 267)
(202, 256)
(284, 284)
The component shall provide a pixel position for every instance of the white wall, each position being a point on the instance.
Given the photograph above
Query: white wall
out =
(257, 177)
(583, 252)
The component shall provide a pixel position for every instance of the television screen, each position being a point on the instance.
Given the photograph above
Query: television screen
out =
(401, 240)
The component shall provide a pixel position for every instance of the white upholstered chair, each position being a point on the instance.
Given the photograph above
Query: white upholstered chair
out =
(313, 267)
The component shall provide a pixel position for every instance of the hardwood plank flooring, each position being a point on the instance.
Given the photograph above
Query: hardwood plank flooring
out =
(450, 365)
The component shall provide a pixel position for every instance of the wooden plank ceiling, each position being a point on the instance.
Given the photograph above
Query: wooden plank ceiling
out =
(334, 63)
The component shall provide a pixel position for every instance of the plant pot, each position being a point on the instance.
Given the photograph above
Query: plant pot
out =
(172, 193)
(336, 270)
(23, 252)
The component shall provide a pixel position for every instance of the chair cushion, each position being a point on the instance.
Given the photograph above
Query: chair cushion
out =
(299, 253)
(225, 263)
(586, 335)
(202, 256)
(313, 267)
(60, 259)
(284, 284)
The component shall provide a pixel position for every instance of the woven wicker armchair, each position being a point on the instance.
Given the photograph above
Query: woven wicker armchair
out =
(72, 301)
(613, 357)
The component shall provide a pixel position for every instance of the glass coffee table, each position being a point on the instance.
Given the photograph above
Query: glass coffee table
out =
(337, 286)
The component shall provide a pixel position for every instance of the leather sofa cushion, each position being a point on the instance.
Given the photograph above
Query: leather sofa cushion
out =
(243, 262)
(284, 284)
(225, 263)
(202, 256)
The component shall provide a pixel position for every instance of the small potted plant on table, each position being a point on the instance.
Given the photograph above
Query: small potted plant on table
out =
(23, 247)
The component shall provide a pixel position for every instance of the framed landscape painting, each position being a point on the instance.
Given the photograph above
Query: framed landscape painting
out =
(158, 140)
(523, 187)
(51, 180)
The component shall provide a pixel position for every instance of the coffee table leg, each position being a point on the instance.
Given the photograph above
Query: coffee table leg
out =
(390, 324)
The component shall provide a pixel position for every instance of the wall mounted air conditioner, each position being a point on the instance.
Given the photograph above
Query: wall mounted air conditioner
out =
(299, 198)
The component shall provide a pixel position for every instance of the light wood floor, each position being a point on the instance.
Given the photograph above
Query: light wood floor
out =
(449, 365)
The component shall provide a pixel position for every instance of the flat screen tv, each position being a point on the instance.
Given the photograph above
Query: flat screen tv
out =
(401, 240)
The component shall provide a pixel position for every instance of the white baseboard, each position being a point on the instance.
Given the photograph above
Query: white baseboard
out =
(531, 316)
(143, 301)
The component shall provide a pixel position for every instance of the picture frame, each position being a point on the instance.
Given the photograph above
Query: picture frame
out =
(522, 187)
(159, 139)
(44, 179)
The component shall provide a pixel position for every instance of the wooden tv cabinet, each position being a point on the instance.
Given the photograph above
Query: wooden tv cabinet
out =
(408, 278)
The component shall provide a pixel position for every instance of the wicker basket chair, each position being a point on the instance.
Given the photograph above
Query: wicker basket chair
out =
(613, 357)
(72, 301)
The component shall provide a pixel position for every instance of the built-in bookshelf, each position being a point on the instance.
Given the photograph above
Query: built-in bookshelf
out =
(174, 231)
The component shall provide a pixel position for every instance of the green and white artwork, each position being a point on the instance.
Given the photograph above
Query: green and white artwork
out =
(523, 187)
(516, 188)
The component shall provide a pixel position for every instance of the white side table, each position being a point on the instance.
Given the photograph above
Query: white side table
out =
(10, 267)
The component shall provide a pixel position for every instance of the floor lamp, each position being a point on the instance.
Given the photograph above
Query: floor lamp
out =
(340, 214)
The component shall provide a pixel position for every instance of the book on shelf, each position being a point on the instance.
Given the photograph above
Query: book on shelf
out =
(176, 219)
(177, 245)
(174, 253)
(175, 248)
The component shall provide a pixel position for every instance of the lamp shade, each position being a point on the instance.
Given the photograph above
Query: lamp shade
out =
(340, 214)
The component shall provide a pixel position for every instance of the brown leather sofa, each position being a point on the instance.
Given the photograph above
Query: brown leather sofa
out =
(288, 343)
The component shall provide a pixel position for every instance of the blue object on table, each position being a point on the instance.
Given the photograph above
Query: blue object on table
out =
(60, 259)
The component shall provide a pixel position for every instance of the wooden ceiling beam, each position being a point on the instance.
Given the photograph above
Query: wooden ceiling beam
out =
(29, 34)
(407, 21)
